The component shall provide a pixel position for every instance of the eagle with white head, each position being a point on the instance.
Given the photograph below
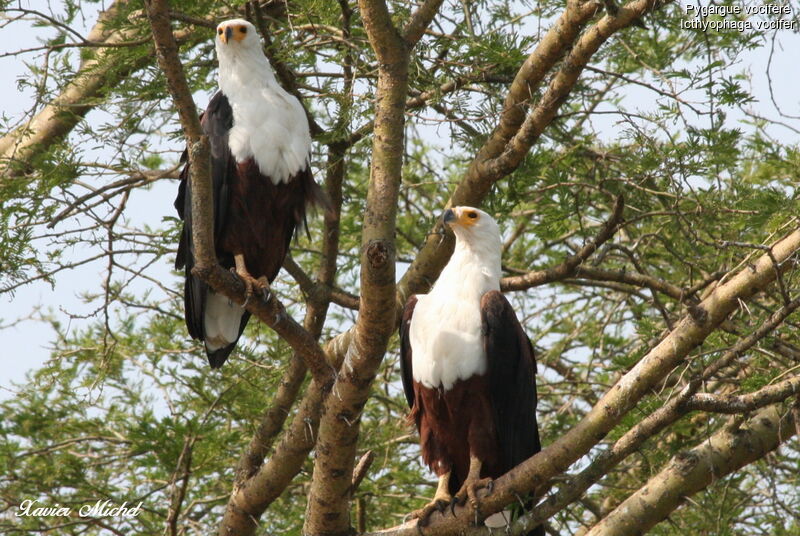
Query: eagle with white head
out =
(468, 370)
(262, 183)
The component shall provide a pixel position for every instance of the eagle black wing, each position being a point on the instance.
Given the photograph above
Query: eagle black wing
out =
(405, 350)
(512, 379)
(216, 122)
(512, 383)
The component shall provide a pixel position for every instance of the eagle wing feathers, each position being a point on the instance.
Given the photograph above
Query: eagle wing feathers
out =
(406, 370)
(512, 383)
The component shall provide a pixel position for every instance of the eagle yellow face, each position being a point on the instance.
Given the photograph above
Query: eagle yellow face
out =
(462, 216)
(234, 30)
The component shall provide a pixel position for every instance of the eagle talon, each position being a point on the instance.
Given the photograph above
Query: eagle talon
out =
(453, 503)
(265, 289)
(423, 514)
(251, 284)
(469, 492)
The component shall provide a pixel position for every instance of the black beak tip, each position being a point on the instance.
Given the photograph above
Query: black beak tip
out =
(228, 33)
(448, 216)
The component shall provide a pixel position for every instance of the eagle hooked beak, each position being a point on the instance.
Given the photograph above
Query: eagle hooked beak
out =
(227, 35)
(462, 217)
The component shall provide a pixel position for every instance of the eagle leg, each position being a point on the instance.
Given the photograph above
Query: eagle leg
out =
(251, 284)
(439, 502)
(473, 483)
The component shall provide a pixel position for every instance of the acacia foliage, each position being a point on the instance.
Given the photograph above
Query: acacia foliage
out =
(125, 407)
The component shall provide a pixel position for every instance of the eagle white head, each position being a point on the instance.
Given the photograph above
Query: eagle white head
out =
(241, 57)
(269, 124)
(476, 259)
(446, 329)
(474, 228)
(236, 36)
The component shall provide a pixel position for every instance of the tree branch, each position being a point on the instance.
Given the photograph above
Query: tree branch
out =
(273, 419)
(249, 500)
(562, 83)
(362, 468)
(732, 404)
(199, 155)
(61, 115)
(689, 472)
(631, 278)
(420, 21)
(477, 180)
(632, 440)
(331, 487)
(570, 265)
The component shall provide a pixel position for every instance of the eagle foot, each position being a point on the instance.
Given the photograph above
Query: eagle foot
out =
(469, 493)
(438, 504)
(253, 286)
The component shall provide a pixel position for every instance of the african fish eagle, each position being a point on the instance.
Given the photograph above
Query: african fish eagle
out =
(262, 183)
(468, 369)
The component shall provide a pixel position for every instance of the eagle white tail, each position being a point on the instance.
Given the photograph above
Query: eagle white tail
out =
(221, 322)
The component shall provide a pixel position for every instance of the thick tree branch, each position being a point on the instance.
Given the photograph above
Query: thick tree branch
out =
(478, 179)
(199, 159)
(248, 501)
(82, 94)
(689, 472)
(576, 486)
(61, 115)
(420, 21)
(673, 410)
(562, 83)
(328, 509)
(516, 133)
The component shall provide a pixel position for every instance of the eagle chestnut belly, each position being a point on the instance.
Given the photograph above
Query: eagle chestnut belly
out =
(453, 423)
(468, 369)
(262, 217)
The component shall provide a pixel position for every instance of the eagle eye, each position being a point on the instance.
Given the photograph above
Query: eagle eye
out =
(219, 31)
(242, 29)
(472, 215)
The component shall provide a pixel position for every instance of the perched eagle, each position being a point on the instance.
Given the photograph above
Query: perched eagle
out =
(468, 369)
(262, 183)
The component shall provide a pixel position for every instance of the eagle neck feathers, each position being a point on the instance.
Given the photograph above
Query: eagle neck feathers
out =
(269, 124)
(445, 330)
(473, 270)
